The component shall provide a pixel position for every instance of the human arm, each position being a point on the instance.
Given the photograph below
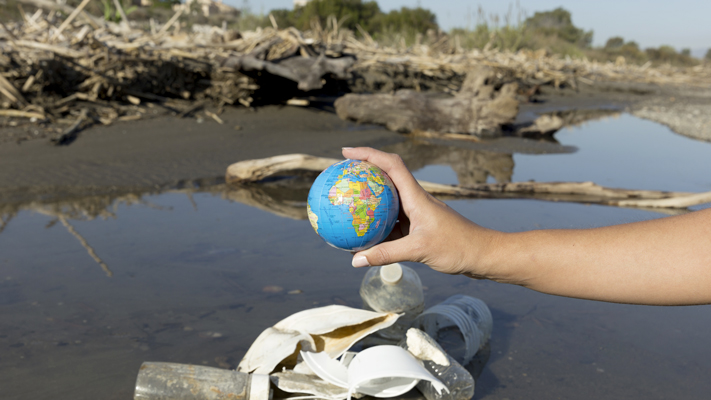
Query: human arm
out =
(664, 261)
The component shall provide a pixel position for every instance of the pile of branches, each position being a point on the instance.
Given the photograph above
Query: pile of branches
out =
(60, 65)
(440, 57)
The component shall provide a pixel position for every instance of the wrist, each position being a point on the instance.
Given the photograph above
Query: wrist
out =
(496, 258)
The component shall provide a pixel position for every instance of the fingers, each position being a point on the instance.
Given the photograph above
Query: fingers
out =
(390, 163)
(387, 253)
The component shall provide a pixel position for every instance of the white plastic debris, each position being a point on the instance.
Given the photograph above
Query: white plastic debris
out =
(331, 329)
(380, 371)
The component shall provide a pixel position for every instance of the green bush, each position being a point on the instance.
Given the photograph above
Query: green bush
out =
(350, 14)
(488, 31)
(614, 43)
(550, 30)
(616, 47)
(668, 55)
(559, 23)
(406, 19)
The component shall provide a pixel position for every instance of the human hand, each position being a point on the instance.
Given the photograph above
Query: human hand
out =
(428, 231)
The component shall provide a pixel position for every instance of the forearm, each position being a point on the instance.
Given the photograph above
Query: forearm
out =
(663, 261)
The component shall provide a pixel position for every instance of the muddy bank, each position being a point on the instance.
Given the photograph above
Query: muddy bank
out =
(686, 110)
(166, 151)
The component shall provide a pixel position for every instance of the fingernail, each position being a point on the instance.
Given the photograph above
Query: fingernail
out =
(360, 261)
(346, 148)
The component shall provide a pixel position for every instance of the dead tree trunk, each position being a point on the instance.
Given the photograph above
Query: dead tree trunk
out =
(478, 109)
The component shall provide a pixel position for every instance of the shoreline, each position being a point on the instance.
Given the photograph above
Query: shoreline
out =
(165, 151)
(168, 152)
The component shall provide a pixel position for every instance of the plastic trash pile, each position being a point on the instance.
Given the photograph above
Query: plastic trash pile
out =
(306, 355)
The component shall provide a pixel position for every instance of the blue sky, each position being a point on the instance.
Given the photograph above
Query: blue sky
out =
(679, 23)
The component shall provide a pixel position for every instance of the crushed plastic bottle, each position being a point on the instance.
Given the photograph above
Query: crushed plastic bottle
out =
(461, 325)
(455, 377)
(459, 382)
(393, 288)
(170, 381)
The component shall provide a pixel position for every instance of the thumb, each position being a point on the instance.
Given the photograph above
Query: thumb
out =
(386, 253)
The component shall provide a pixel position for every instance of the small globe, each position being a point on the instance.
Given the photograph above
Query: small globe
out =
(353, 205)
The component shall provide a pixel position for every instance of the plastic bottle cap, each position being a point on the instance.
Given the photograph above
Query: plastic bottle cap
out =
(391, 273)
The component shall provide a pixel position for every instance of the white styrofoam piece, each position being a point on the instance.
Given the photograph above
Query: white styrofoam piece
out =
(380, 371)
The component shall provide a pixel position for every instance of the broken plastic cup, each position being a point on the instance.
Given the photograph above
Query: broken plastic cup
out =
(461, 325)
(380, 371)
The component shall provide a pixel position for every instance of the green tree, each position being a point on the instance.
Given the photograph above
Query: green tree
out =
(560, 24)
(349, 12)
(353, 13)
(708, 55)
(417, 20)
(661, 54)
(614, 43)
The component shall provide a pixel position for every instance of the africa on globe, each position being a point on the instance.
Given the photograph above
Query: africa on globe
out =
(353, 205)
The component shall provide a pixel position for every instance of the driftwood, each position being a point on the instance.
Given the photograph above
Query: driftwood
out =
(251, 171)
(477, 109)
(257, 170)
(308, 73)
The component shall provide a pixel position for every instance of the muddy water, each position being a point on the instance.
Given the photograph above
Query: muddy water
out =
(193, 276)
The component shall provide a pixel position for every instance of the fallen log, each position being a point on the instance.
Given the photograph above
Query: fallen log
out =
(308, 73)
(254, 171)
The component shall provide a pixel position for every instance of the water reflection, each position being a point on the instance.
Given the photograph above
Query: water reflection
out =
(473, 163)
(284, 196)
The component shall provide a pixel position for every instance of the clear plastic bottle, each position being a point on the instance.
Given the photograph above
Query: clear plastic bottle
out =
(456, 378)
(461, 325)
(393, 288)
(170, 381)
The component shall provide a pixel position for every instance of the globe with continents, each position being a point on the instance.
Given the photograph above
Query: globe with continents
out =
(353, 205)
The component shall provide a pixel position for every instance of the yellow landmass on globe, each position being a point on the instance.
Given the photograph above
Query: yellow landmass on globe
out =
(313, 218)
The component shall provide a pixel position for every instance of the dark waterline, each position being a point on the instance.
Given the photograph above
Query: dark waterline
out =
(196, 277)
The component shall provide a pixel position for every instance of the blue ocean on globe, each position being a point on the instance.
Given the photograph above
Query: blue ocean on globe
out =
(353, 205)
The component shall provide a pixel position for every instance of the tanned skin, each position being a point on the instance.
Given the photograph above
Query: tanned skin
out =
(665, 261)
